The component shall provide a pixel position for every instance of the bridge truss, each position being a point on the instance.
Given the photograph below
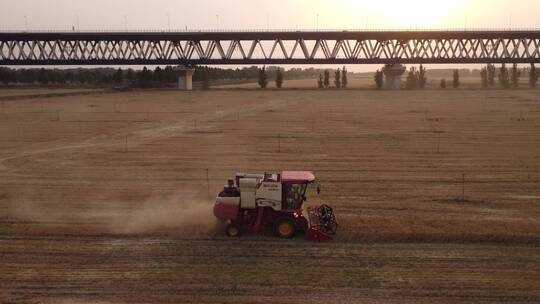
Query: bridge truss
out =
(222, 48)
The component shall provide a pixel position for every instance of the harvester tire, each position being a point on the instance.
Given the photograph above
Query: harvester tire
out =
(233, 230)
(284, 227)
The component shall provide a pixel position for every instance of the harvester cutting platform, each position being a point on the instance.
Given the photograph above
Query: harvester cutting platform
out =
(253, 203)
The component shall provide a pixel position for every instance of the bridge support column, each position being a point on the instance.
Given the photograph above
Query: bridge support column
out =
(185, 78)
(392, 76)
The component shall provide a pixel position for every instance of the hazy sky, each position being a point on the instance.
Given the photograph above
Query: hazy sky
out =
(257, 14)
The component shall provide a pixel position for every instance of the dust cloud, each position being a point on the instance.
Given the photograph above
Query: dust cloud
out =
(180, 213)
(183, 213)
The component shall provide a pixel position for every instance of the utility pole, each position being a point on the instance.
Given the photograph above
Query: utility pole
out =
(317, 22)
(77, 22)
(463, 187)
(169, 22)
(26, 23)
(267, 23)
(217, 22)
(125, 23)
(439, 143)
(207, 182)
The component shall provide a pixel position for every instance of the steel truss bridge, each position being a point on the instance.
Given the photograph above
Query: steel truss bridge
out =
(238, 48)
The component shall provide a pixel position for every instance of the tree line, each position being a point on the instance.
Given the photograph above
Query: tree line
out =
(168, 76)
(340, 79)
(507, 78)
(146, 77)
(94, 77)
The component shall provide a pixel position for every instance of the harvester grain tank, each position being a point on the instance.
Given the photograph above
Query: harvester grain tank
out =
(253, 203)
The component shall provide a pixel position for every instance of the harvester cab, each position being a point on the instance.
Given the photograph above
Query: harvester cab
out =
(253, 203)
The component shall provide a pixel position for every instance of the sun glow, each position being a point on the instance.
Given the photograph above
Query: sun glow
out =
(411, 13)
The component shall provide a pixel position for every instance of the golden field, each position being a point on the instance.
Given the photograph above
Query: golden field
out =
(104, 196)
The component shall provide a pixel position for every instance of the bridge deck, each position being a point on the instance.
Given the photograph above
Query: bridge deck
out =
(284, 47)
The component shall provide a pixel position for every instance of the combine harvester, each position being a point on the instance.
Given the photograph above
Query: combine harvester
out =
(253, 203)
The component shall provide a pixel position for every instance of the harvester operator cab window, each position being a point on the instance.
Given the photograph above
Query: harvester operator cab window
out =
(294, 196)
(272, 177)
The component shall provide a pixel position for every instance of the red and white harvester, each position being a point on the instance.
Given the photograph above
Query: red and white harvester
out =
(253, 203)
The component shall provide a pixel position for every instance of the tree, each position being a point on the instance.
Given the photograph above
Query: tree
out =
(159, 75)
(84, 76)
(43, 77)
(170, 74)
(279, 78)
(533, 76)
(337, 78)
(130, 76)
(504, 79)
(144, 77)
(205, 79)
(326, 78)
(515, 75)
(70, 77)
(51, 75)
(456, 82)
(379, 79)
(344, 78)
(320, 83)
(412, 81)
(421, 77)
(104, 79)
(443, 83)
(484, 76)
(118, 77)
(5, 75)
(262, 78)
(491, 74)
(61, 77)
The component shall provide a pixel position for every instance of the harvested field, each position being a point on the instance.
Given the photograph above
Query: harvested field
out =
(18, 93)
(104, 197)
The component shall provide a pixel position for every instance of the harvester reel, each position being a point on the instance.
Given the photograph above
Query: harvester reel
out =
(327, 219)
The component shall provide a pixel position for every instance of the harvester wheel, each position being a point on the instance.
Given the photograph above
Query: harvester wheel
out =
(284, 227)
(233, 230)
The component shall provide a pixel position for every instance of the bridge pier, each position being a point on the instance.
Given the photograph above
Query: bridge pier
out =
(392, 76)
(185, 78)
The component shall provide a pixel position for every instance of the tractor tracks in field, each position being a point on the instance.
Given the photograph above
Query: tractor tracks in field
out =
(52, 95)
(137, 137)
(204, 269)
